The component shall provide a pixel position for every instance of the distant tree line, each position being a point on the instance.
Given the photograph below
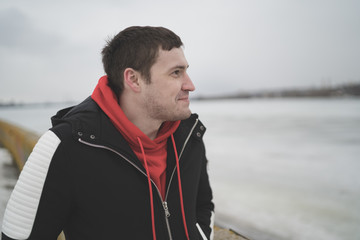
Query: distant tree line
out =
(345, 90)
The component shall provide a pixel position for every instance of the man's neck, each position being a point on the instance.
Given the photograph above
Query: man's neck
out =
(148, 126)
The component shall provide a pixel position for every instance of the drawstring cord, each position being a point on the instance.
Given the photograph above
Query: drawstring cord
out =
(180, 188)
(150, 189)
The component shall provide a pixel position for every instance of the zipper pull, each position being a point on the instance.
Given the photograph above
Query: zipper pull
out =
(167, 213)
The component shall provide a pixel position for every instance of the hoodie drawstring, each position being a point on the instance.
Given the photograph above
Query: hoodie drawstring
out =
(151, 193)
(150, 189)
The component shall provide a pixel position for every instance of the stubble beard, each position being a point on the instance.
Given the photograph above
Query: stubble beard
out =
(165, 112)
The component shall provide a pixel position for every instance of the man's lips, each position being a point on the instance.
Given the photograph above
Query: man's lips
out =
(184, 98)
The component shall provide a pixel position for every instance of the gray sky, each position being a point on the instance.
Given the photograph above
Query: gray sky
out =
(50, 50)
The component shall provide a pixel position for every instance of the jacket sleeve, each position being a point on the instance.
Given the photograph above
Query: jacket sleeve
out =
(205, 206)
(39, 203)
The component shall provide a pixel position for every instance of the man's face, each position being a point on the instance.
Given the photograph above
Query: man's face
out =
(166, 97)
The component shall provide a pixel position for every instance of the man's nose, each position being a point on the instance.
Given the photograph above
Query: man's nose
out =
(188, 85)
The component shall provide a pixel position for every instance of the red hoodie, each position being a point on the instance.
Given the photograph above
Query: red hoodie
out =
(155, 151)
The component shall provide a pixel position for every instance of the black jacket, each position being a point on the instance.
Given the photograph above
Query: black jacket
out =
(94, 187)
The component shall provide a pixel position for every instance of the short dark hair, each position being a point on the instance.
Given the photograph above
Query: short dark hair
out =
(138, 48)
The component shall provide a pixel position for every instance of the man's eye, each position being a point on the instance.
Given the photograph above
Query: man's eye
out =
(176, 73)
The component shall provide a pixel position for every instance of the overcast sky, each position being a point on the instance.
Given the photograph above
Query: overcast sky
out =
(50, 50)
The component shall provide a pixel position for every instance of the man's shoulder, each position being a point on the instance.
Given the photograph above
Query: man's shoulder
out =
(73, 120)
(86, 107)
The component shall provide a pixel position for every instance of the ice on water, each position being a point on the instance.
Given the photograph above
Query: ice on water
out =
(280, 168)
(285, 169)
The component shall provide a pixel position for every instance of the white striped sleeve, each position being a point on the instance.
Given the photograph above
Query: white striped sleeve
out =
(21, 209)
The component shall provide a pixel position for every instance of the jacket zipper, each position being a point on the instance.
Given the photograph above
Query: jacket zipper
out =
(167, 213)
(164, 203)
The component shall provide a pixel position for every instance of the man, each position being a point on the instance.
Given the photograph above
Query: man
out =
(128, 162)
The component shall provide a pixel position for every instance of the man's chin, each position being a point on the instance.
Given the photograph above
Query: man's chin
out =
(186, 115)
(182, 116)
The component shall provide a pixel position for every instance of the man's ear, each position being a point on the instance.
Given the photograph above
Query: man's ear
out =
(132, 79)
